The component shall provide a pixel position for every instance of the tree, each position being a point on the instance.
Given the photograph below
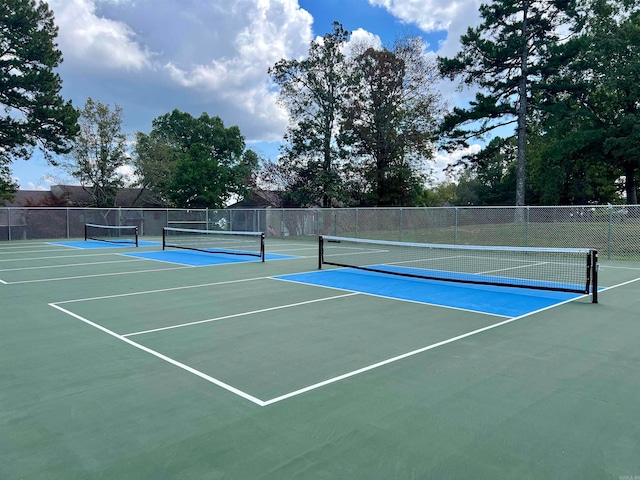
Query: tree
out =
(591, 111)
(491, 178)
(504, 56)
(313, 91)
(98, 152)
(34, 112)
(7, 185)
(155, 160)
(390, 120)
(194, 162)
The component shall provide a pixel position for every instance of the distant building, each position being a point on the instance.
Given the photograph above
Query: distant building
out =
(260, 199)
(77, 196)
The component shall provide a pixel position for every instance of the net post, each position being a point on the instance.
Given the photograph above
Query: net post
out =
(136, 234)
(164, 238)
(594, 276)
(85, 232)
(262, 254)
(320, 251)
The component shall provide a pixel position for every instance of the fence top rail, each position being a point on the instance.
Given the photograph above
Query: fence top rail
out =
(319, 209)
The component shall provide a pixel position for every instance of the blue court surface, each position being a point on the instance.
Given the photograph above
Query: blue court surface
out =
(200, 259)
(96, 244)
(502, 301)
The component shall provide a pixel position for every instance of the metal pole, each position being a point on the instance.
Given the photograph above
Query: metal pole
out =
(455, 228)
(610, 234)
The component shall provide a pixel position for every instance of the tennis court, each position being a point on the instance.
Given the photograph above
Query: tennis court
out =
(136, 362)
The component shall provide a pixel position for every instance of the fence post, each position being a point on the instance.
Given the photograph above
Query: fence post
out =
(455, 227)
(68, 222)
(526, 234)
(610, 233)
(401, 223)
(356, 229)
(9, 224)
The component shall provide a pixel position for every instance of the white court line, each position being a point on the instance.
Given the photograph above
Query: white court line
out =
(3, 282)
(271, 249)
(59, 256)
(409, 354)
(20, 247)
(94, 276)
(161, 290)
(620, 268)
(479, 312)
(315, 386)
(512, 268)
(36, 251)
(71, 265)
(235, 315)
(620, 284)
(159, 355)
(429, 347)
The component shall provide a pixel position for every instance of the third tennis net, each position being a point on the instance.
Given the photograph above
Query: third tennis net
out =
(562, 269)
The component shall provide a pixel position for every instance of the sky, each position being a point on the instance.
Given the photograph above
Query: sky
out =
(153, 56)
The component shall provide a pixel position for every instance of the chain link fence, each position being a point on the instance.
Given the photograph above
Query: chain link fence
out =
(614, 230)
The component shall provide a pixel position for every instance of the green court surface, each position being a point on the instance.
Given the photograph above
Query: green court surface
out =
(119, 367)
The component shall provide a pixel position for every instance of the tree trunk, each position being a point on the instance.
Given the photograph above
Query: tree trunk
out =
(522, 115)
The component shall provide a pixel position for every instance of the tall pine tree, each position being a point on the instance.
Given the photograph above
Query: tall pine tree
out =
(34, 113)
(505, 56)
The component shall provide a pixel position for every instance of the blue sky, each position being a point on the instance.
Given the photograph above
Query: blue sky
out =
(152, 56)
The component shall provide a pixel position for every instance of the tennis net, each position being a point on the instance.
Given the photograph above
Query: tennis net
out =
(214, 241)
(127, 234)
(566, 269)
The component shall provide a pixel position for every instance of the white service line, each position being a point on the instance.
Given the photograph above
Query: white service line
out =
(70, 265)
(160, 290)
(59, 256)
(57, 279)
(235, 315)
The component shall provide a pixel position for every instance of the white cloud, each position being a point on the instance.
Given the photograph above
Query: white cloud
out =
(151, 56)
(95, 41)
(454, 16)
(429, 15)
(443, 160)
(127, 174)
(267, 32)
(360, 39)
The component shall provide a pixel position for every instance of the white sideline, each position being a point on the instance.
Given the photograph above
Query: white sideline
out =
(159, 355)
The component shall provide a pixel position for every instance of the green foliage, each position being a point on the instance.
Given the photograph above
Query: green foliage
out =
(313, 91)
(390, 120)
(33, 111)
(491, 180)
(591, 108)
(438, 195)
(194, 162)
(504, 56)
(7, 186)
(98, 152)
(361, 126)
